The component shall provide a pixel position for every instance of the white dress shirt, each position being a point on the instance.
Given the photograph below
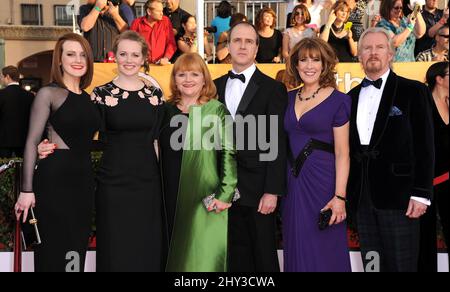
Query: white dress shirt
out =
(235, 89)
(368, 105)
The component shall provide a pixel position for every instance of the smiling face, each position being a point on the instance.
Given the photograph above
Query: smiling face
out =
(129, 57)
(299, 16)
(189, 83)
(342, 14)
(73, 59)
(397, 10)
(310, 67)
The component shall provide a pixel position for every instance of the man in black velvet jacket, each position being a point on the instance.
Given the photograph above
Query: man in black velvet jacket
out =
(392, 158)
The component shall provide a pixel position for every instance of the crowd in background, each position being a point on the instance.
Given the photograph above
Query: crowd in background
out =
(420, 33)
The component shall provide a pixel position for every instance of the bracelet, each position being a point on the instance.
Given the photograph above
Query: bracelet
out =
(98, 9)
(341, 198)
(410, 27)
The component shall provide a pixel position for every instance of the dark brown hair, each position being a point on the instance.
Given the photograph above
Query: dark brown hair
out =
(313, 47)
(57, 71)
(260, 18)
(130, 35)
(305, 12)
(12, 72)
(386, 8)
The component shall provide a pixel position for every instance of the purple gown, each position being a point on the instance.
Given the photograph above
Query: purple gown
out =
(306, 248)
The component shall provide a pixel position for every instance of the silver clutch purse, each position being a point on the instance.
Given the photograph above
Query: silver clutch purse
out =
(207, 202)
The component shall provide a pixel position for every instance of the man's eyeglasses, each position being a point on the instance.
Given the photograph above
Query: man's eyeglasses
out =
(444, 36)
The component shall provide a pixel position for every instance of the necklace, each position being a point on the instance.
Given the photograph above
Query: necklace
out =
(337, 29)
(299, 94)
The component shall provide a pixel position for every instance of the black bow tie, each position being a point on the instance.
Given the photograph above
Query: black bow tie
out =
(377, 83)
(236, 76)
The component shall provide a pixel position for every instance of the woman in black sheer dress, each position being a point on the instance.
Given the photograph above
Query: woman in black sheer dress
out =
(62, 186)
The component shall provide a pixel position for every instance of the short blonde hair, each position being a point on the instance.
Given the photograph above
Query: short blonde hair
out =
(340, 5)
(192, 62)
(381, 31)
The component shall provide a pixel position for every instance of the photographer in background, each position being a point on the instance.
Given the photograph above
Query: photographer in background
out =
(101, 21)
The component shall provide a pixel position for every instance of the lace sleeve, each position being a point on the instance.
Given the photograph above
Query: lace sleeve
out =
(40, 112)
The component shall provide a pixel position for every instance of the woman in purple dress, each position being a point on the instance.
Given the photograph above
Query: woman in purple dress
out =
(317, 123)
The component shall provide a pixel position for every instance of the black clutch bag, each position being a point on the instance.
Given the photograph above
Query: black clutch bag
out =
(30, 232)
(324, 219)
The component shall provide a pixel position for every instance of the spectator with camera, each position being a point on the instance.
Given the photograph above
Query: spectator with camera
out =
(403, 30)
(157, 30)
(101, 21)
(434, 19)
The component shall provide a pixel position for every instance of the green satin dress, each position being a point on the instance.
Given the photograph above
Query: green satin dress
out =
(200, 238)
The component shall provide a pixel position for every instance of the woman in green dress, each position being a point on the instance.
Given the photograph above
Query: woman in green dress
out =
(199, 169)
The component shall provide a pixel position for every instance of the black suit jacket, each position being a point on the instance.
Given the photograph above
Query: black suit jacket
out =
(15, 104)
(263, 97)
(399, 162)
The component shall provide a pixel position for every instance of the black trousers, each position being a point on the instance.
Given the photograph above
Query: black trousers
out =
(11, 152)
(428, 230)
(390, 234)
(252, 241)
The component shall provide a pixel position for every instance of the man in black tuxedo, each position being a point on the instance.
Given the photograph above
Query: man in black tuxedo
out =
(15, 104)
(392, 158)
(248, 94)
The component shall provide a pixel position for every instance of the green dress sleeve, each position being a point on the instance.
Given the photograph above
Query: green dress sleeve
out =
(227, 156)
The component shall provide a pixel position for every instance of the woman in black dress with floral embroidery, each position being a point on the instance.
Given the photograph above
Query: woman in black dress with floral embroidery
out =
(129, 199)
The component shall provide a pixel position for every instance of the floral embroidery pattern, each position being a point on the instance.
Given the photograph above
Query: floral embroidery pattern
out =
(111, 101)
(113, 95)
